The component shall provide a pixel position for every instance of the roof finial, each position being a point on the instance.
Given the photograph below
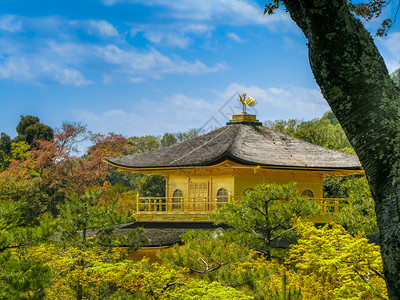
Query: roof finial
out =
(250, 101)
(244, 118)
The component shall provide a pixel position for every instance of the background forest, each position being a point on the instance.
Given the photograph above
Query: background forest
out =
(59, 211)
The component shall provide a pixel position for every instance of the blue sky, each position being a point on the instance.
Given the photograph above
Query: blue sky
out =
(139, 67)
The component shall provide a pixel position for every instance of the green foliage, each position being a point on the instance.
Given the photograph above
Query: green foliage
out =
(20, 151)
(86, 239)
(332, 264)
(265, 215)
(200, 290)
(141, 144)
(30, 128)
(150, 185)
(96, 273)
(396, 77)
(5, 143)
(184, 136)
(5, 151)
(359, 215)
(22, 277)
(208, 253)
(212, 256)
(168, 139)
(83, 217)
(147, 143)
(38, 131)
(325, 132)
(14, 232)
(334, 187)
(28, 192)
(25, 122)
(74, 271)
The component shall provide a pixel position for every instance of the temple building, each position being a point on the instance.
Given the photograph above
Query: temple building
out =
(219, 167)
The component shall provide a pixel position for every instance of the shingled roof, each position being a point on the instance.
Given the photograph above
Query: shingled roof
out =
(245, 144)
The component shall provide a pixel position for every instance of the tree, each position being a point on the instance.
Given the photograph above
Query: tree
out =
(359, 214)
(208, 253)
(5, 151)
(213, 256)
(109, 276)
(141, 144)
(332, 264)
(355, 82)
(168, 139)
(86, 228)
(30, 129)
(325, 132)
(25, 122)
(20, 276)
(265, 215)
(184, 136)
(84, 217)
(396, 77)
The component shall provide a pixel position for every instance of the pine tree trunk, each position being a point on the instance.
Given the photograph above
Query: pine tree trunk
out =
(354, 80)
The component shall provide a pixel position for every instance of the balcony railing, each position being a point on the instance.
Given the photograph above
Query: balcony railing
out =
(331, 205)
(180, 205)
(205, 205)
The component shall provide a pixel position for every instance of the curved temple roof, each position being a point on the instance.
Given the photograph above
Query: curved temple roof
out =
(245, 144)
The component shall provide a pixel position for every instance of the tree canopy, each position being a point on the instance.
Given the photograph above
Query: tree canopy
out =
(355, 82)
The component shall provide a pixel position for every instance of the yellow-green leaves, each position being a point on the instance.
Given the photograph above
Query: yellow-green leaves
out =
(332, 264)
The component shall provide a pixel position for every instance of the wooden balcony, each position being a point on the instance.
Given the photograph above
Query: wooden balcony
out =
(198, 209)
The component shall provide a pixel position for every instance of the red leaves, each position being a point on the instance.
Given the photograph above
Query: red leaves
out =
(54, 161)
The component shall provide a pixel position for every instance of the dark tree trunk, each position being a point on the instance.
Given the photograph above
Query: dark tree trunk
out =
(354, 80)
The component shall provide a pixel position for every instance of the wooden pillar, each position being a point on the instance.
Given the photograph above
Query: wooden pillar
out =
(168, 199)
(210, 194)
(137, 201)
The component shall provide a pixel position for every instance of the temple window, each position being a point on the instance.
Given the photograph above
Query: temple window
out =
(199, 189)
(307, 193)
(222, 197)
(177, 200)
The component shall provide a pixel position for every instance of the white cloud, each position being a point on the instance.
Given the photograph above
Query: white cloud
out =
(180, 35)
(62, 27)
(167, 39)
(153, 62)
(196, 28)
(102, 28)
(390, 49)
(67, 62)
(37, 71)
(235, 37)
(218, 11)
(63, 75)
(392, 43)
(392, 65)
(136, 79)
(281, 103)
(174, 113)
(12, 68)
(10, 23)
(183, 102)
(179, 112)
(115, 113)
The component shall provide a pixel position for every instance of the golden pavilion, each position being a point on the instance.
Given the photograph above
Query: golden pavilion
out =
(219, 167)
